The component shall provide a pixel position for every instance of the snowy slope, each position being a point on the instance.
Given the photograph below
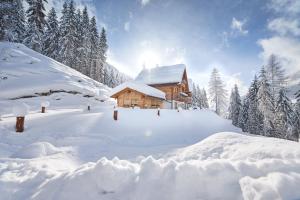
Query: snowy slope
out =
(24, 72)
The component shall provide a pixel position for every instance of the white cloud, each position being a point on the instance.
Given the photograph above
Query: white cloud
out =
(237, 27)
(289, 7)
(285, 26)
(288, 50)
(127, 26)
(144, 2)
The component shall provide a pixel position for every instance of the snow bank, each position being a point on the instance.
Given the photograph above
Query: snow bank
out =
(36, 150)
(20, 110)
(268, 177)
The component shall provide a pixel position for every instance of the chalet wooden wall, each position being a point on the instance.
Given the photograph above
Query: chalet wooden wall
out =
(130, 98)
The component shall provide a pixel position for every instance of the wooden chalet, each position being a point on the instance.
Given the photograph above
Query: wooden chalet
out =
(131, 94)
(163, 87)
(172, 80)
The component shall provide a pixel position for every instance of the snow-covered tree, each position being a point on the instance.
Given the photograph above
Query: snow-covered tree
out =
(266, 103)
(68, 35)
(235, 105)
(84, 59)
(79, 47)
(283, 115)
(255, 117)
(276, 75)
(12, 20)
(243, 115)
(102, 53)
(51, 37)
(296, 121)
(217, 92)
(35, 24)
(94, 49)
(194, 95)
(204, 99)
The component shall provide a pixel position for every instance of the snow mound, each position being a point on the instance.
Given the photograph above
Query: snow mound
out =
(232, 146)
(24, 72)
(267, 177)
(36, 150)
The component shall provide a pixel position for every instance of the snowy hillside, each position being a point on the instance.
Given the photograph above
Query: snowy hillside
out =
(24, 72)
(72, 153)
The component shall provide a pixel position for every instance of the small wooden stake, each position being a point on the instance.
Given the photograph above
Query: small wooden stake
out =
(115, 114)
(158, 112)
(43, 109)
(20, 124)
(89, 107)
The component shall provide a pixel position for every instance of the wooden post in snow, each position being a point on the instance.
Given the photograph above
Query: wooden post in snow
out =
(20, 111)
(158, 111)
(20, 124)
(115, 114)
(44, 105)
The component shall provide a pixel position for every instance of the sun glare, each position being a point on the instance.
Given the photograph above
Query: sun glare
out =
(149, 59)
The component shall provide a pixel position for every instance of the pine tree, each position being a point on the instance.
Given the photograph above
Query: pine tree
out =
(217, 91)
(67, 30)
(194, 95)
(283, 115)
(235, 106)
(93, 50)
(199, 97)
(276, 75)
(102, 53)
(12, 20)
(84, 60)
(244, 115)
(35, 24)
(255, 117)
(204, 99)
(296, 120)
(51, 37)
(266, 103)
(79, 48)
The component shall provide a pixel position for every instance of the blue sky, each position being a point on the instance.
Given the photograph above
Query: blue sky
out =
(236, 36)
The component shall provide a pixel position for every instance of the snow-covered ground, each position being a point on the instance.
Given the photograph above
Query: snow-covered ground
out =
(72, 153)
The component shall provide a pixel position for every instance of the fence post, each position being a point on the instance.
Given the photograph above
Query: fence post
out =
(20, 124)
(20, 111)
(44, 105)
(158, 111)
(115, 114)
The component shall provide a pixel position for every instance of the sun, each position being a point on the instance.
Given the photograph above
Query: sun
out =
(149, 59)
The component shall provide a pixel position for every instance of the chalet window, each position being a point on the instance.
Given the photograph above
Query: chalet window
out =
(134, 102)
(126, 102)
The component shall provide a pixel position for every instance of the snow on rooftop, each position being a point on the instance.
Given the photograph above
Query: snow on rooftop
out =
(162, 74)
(140, 87)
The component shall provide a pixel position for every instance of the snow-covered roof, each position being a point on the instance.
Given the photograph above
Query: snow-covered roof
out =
(162, 74)
(140, 87)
